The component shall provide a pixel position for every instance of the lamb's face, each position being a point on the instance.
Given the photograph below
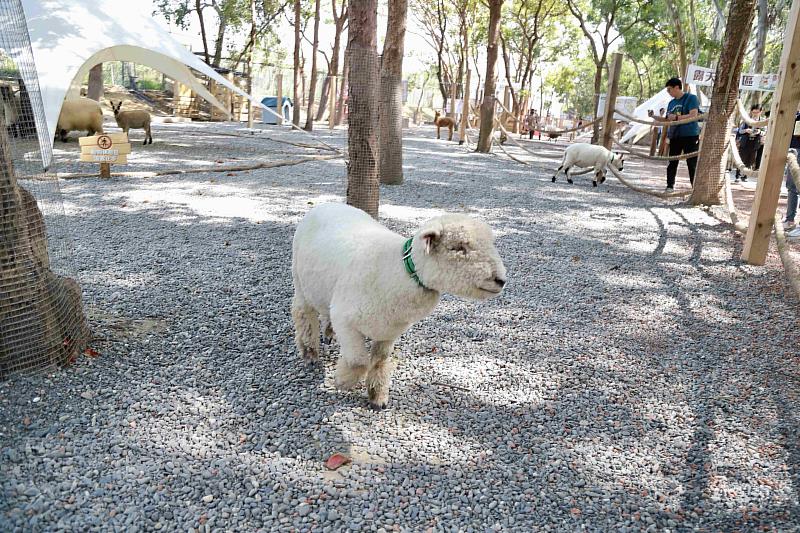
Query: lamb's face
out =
(457, 255)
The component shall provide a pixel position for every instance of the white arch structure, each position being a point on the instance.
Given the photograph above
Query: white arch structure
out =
(69, 37)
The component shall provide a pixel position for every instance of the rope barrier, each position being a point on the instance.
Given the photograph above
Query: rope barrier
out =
(677, 194)
(657, 157)
(783, 250)
(554, 132)
(747, 119)
(737, 161)
(250, 136)
(239, 168)
(631, 118)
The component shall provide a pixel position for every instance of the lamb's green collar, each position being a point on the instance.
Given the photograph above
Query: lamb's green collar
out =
(408, 262)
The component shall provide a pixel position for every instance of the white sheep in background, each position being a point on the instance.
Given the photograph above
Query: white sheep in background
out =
(366, 281)
(586, 155)
(81, 114)
(133, 119)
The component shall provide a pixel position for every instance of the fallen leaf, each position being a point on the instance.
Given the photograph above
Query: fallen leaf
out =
(576, 258)
(229, 174)
(575, 511)
(90, 352)
(26, 421)
(227, 243)
(336, 461)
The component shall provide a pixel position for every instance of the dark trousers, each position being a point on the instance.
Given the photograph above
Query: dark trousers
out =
(530, 133)
(682, 145)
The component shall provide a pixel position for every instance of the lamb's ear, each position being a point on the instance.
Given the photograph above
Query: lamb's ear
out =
(430, 233)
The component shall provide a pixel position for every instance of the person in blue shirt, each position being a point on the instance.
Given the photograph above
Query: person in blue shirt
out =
(685, 138)
(792, 196)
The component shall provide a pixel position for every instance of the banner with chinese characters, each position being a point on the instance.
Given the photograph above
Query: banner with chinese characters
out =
(703, 76)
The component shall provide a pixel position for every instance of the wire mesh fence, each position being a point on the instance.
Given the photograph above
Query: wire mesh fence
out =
(361, 110)
(41, 313)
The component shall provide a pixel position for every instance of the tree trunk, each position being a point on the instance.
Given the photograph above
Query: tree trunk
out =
(488, 105)
(199, 8)
(711, 163)
(296, 78)
(220, 41)
(390, 128)
(312, 87)
(323, 97)
(343, 87)
(95, 89)
(362, 139)
(680, 38)
(761, 43)
(250, 62)
(339, 22)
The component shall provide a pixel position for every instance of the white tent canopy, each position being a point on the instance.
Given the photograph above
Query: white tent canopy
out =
(69, 37)
(656, 102)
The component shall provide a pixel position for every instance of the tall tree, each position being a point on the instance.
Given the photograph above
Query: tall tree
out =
(362, 140)
(339, 24)
(296, 77)
(390, 129)
(602, 23)
(312, 88)
(95, 86)
(711, 162)
(488, 105)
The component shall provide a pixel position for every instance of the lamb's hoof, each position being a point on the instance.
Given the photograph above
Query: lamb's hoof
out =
(594, 184)
(378, 399)
(603, 180)
(310, 354)
(554, 179)
(570, 182)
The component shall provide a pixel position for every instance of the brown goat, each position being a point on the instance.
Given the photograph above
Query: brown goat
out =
(133, 119)
(444, 122)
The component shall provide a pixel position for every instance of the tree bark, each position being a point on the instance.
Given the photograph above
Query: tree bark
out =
(199, 8)
(761, 42)
(95, 89)
(339, 21)
(312, 86)
(711, 164)
(362, 140)
(488, 105)
(390, 129)
(343, 87)
(323, 97)
(220, 41)
(296, 78)
(250, 62)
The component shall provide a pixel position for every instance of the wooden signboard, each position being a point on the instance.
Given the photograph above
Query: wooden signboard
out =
(106, 149)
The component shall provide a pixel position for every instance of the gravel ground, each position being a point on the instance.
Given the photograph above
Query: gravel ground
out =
(635, 375)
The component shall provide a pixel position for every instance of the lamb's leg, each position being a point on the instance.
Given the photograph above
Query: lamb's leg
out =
(379, 377)
(569, 176)
(437, 131)
(306, 327)
(353, 360)
(597, 175)
(450, 138)
(557, 171)
(149, 134)
(327, 329)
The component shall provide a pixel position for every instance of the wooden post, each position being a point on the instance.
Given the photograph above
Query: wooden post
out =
(279, 101)
(506, 105)
(779, 135)
(611, 99)
(462, 131)
(654, 139)
(105, 170)
(332, 102)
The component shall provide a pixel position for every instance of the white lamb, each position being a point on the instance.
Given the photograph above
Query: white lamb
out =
(366, 281)
(586, 155)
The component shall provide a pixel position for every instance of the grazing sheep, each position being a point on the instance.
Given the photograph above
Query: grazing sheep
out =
(366, 281)
(586, 155)
(133, 119)
(9, 110)
(81, 114)
(444, 122)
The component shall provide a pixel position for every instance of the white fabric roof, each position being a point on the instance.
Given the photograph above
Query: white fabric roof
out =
(69, 37)
(656, 102)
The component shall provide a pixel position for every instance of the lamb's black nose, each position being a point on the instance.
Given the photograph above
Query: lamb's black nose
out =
(500, 282)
